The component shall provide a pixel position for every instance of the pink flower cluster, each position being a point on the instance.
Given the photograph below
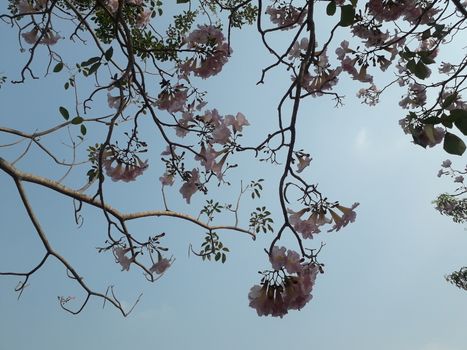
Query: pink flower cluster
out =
(160, 266)
(144, 16)
(341, 220)
(207, 157)
(121, 258)
(298, 48)
(214, 52)
(283, 292)
(369, 95)
(285, 17)
(324, 79)
(416, 97)
(391, 10)
(190, 186)
(49, 37)
(290, 260)
(222, 129)
(318, 218)
(173, 100)
(24, 6)
(121, 171)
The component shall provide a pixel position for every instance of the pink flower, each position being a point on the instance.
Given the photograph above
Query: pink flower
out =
(207, 157)
(143, 18)
(210, 41)
(297, 48)
(190, 186)
(135, 2)
(446, 68)
(161, 266)
(121, 258)
(211, 117)
(310, 226)
(183, 127)
(24, 6)
(369, 95)
(113, 101)
(237, 123)
(278, 258)
(294, 219)
(173, 101)
(298, 291)
(31, 37)
(303, 162)
(287, 16)
(221, 134)
(348, 216)
(459, 178)
(386, 10)
(168, 150)
(261, 300)
(112, 5)
(50, 38)
(446, 164)
(123, 172)
(293, 262)
(416, 97)
(167, 179)
(343, 50)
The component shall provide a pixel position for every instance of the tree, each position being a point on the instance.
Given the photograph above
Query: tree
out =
(132, 53)
(455, 206)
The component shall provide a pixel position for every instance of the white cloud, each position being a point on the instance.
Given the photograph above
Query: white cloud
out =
(361, 140)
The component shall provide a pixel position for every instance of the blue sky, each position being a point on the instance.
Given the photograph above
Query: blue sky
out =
(383, 285)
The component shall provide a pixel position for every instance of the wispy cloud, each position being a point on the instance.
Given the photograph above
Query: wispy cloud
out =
(361, 140)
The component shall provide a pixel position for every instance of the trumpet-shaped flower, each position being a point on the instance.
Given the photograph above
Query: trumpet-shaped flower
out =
(121, 258)
(348, 215)
(160, 266)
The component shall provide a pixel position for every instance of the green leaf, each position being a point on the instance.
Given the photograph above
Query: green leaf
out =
(108, 54)
(449, 100)
(411, 66)
(223, 258)
(431, 120)
(453, 144)
(460, 119)
(77, 120)
(462, 125)
(58, 67)
(83, 130)
(90, 61)
(426, 34)
(331, 8)
(182, 1)
(425, 57)
(347, 15)
(420, 70)
(64, 112)
(94, 68)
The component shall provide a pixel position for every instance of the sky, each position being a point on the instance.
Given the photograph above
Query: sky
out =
(383, 285)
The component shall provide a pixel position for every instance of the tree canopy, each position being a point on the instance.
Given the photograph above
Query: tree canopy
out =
(145, 62)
